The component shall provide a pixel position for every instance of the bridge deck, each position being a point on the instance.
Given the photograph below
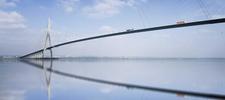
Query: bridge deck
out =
(197, 23)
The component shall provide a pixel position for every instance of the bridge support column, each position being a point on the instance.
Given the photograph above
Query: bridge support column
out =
(47, 41)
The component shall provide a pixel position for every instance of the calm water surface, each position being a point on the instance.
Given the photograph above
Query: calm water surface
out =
(20, 80)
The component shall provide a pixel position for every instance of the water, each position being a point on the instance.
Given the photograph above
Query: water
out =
(22, 81)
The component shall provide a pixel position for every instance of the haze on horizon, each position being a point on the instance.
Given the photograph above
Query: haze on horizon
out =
(23, 24)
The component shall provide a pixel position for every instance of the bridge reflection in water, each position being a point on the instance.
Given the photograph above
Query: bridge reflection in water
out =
(47, 67)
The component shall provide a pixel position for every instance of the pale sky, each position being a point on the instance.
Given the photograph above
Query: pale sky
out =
(23, 24)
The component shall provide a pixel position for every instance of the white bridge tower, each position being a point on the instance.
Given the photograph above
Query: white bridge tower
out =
(47, 42)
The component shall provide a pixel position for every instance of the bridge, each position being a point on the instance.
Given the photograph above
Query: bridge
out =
(36, 59)
(41, 53)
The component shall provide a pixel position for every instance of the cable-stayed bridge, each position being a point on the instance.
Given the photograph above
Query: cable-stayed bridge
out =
(31, 59)
(41, 53)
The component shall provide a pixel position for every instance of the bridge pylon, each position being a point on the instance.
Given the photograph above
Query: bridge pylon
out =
(47, 42)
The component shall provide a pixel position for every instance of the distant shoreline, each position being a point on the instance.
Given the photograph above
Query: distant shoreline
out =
(114, 58)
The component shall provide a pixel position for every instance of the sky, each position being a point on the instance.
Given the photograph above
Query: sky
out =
(23, 25)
